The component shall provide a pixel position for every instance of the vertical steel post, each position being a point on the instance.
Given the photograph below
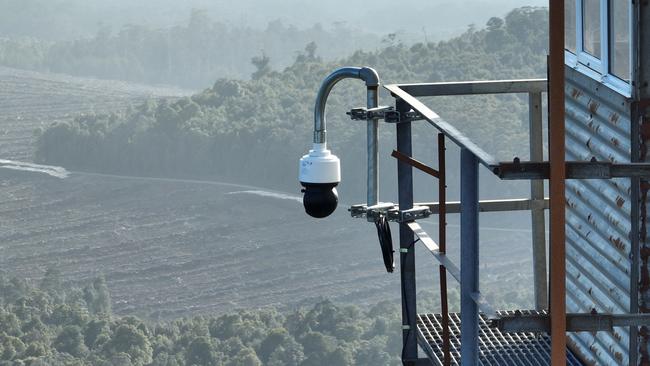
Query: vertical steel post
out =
(469, 257)
(442, 238)
(557, 273)
(537, 195)
(373, 150)
(406, 239)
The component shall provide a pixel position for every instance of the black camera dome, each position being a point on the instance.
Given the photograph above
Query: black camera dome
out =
(320, 199)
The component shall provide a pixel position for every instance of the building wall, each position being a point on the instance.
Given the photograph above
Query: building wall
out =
(599, 217)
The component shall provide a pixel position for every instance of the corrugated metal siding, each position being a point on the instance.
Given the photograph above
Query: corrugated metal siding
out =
(598, 220)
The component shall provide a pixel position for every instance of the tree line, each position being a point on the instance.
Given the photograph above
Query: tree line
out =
(57, 324)
(186, 55)
(255, 130)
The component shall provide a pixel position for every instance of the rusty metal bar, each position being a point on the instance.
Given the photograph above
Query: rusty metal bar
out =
(517, 204)
(557, 273)
(575, 322)
(573, 170)
(415, 163)
(475, 87)
(536, 141)
(442, 239)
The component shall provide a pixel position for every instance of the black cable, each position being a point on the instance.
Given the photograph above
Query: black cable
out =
(406, 305)
(386, 243)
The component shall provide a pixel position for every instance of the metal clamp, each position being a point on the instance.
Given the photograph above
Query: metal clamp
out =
(391, 211)
(364, 114)
(388, 114)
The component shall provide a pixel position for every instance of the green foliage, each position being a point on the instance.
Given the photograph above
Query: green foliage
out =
(78, 336)
(264, 124)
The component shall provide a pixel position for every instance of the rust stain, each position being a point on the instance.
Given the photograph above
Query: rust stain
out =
(618, 356)
(644, 276)
(645, 131)
(618, 243)
(614, 141)
(620, 201)
(614, 117)
(575, 93)
(593, 106)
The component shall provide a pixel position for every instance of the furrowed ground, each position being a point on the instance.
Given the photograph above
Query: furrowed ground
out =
(179, 247)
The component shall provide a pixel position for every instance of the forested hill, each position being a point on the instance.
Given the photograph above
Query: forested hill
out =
(191, 54)
(55, 325)
(255, 130)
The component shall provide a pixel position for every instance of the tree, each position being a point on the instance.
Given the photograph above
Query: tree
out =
(70, 341)
(245, 357)
(262, 67)
(289, 353)
(129, 340)
(201, 352)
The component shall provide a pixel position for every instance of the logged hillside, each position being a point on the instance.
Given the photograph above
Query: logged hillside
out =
(32, 101)
(264, 124)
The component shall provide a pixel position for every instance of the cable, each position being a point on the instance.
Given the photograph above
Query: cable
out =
(385, 242)
(406, 305)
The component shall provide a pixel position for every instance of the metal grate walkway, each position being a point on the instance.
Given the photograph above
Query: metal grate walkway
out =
(495, 348)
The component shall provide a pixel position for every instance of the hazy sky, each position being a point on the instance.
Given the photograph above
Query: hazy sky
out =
(380, 16)
(416, 19)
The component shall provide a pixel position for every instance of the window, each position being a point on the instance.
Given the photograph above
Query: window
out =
(570, 25)
(597, 38)
(591, 27)
(619, 39)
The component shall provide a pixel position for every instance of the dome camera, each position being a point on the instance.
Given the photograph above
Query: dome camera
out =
(320, 173)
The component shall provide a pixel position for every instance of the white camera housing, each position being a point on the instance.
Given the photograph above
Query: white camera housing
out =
(320, 166)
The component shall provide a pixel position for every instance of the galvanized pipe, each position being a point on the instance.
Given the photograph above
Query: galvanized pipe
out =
(469, 257)
(557, 273)
(537, 195)
(373, 149)
(366, 74)
(371, 78)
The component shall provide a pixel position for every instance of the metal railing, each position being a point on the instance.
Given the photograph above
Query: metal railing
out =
(408, 109)
(467, 274)
(470, 205)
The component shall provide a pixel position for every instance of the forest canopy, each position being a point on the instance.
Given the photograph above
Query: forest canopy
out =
(264, 123)
(55, 324)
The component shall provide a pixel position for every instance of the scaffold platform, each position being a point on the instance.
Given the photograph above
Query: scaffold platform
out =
(495, 347)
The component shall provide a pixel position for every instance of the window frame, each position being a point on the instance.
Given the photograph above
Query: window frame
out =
(599, 67)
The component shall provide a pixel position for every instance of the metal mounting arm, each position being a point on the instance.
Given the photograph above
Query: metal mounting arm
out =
(366, 74)
(371, 78)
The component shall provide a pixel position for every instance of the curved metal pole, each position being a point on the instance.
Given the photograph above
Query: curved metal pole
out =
(371, 78)
(366, 74)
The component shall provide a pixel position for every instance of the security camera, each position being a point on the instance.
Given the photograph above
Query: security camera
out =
(320, 173)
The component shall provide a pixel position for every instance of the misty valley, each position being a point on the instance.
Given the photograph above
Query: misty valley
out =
(149, 207)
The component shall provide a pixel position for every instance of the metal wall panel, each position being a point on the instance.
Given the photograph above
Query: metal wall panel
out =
(598, 217)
